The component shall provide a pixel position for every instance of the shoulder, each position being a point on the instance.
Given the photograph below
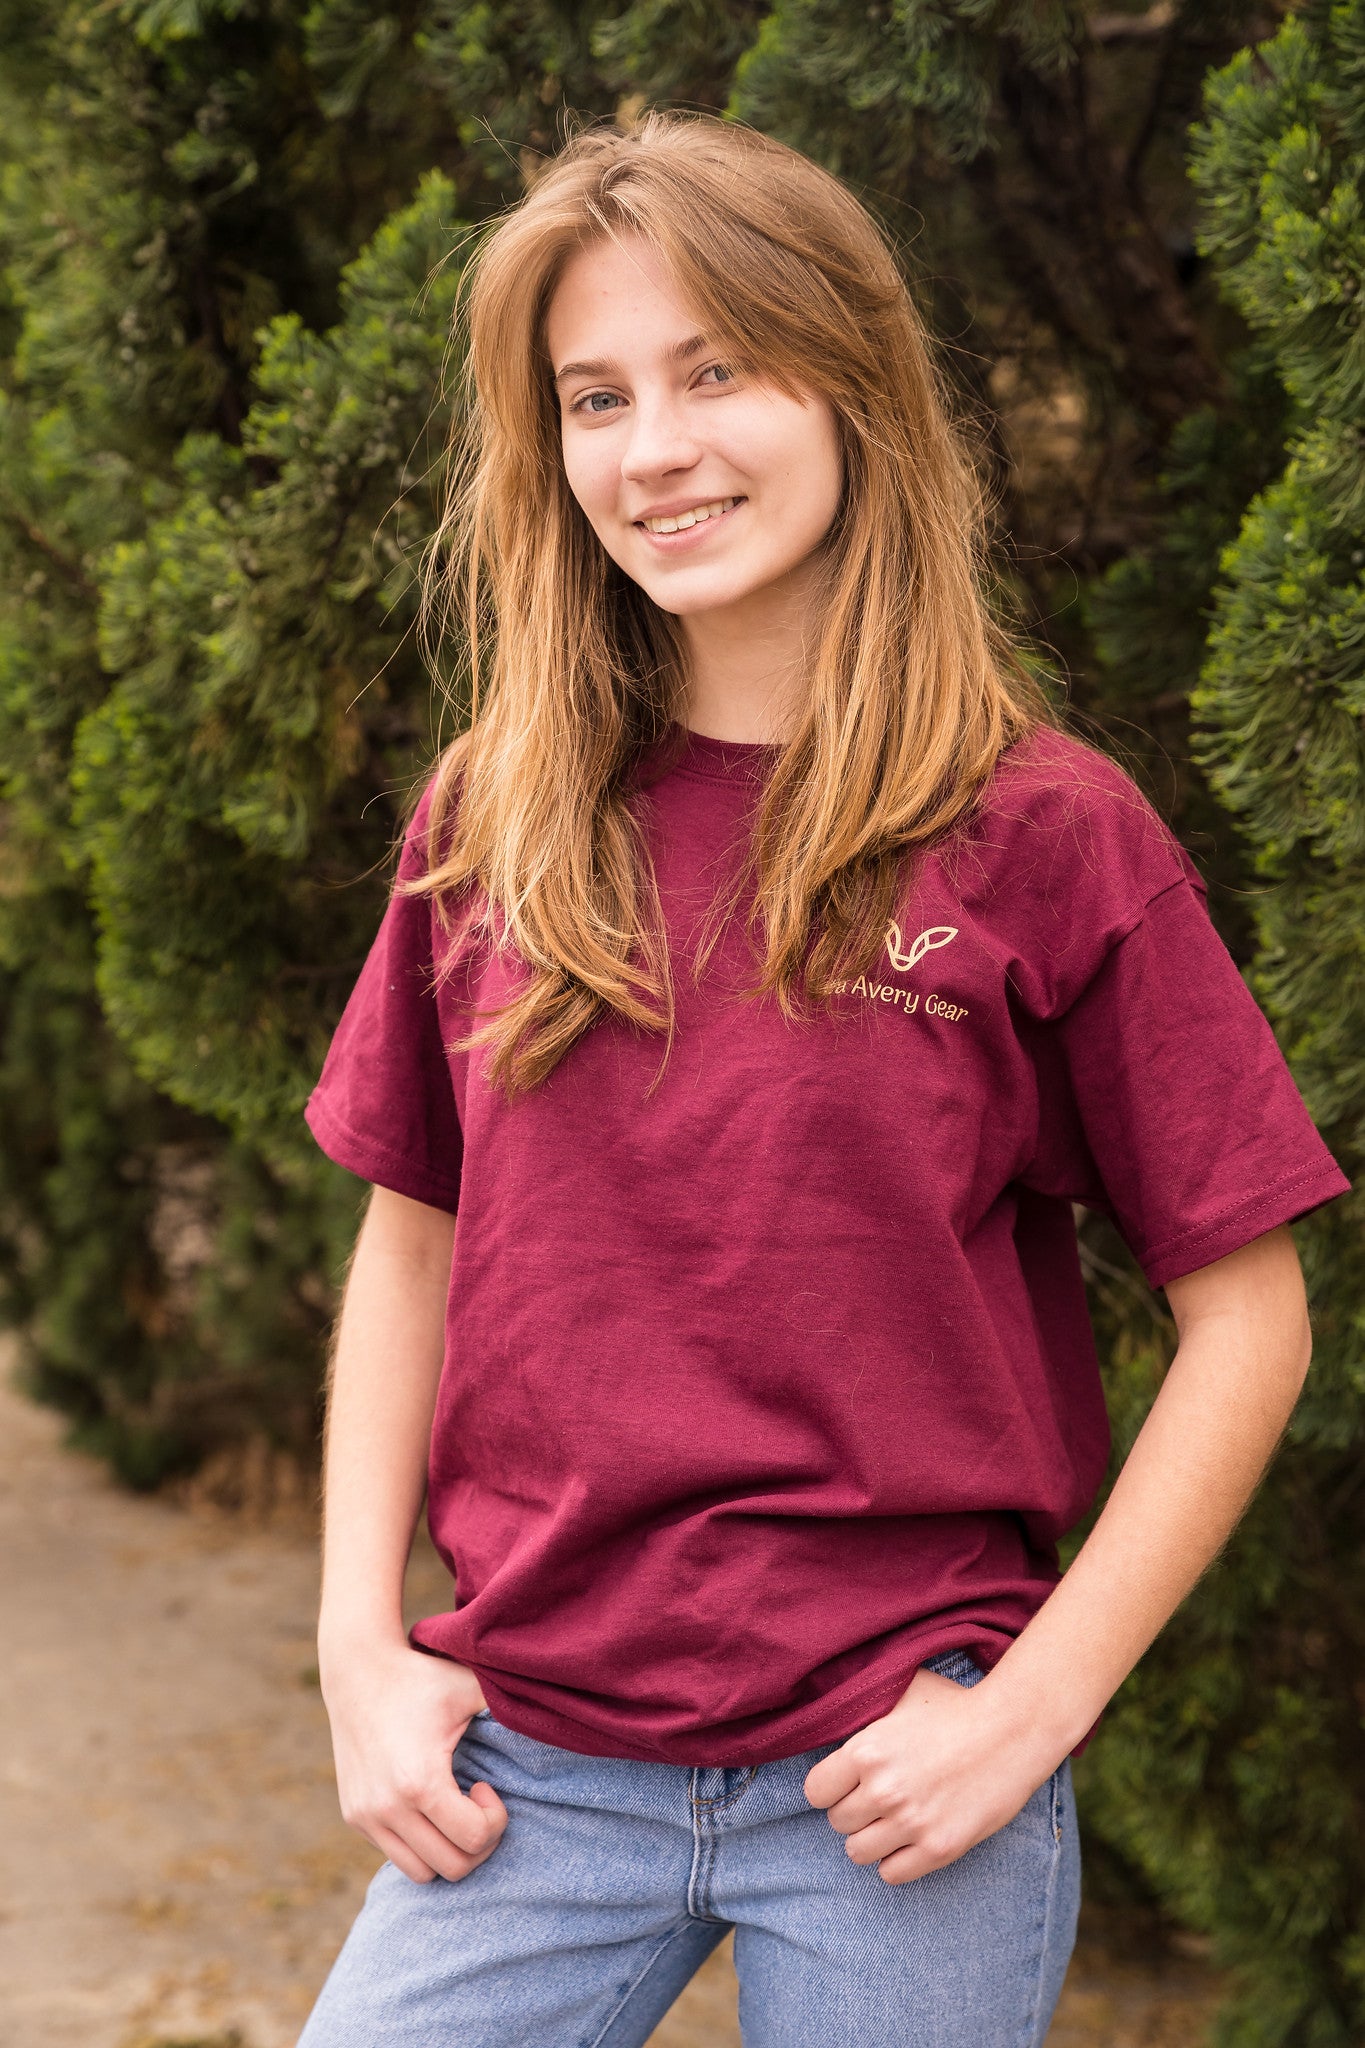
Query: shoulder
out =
(1058, 862)
(438, 794)
(1058, 812)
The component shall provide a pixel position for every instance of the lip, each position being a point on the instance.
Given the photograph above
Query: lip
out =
(690, 535)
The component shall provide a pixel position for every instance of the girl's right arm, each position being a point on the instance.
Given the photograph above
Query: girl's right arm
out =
(396, 1713)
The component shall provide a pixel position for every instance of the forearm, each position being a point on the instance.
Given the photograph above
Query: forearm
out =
(1212, 1430)
(385, 1373)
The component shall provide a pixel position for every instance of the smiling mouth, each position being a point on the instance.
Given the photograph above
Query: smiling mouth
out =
(696, 515)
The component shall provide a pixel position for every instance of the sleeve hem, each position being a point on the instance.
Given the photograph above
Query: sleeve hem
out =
(370, 1160)
(1285, 1199)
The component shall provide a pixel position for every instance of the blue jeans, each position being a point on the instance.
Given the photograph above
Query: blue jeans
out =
(615, 1880)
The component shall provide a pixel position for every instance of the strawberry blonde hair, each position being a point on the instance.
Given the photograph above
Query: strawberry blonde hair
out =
(912, 691)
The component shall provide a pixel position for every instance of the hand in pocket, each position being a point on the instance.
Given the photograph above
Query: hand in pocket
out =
(928, 1781)
(397, 1716)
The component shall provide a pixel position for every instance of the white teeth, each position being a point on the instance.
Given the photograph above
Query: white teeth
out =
(682, 520)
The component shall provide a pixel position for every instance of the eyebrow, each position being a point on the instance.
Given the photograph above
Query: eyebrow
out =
(677, 352)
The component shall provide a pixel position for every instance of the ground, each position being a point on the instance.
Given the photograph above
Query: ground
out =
(173, 1871)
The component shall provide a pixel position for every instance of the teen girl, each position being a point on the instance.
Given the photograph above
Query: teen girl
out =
(765, 980)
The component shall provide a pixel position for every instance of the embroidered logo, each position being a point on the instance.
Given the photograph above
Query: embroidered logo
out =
(907, 1000)
(937, 935)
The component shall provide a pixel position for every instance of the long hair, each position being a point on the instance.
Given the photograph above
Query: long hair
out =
(913, 687)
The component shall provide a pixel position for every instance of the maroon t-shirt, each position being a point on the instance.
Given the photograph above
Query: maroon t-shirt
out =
(769, 1376)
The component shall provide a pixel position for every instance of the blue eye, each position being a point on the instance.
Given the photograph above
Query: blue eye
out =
(589, 402)
(725, 376)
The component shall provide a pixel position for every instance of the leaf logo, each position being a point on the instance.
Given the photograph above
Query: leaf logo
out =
(937, 935)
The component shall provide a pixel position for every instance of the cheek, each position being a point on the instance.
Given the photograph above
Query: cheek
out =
(590, 475)
(805, 465)
(823, 460)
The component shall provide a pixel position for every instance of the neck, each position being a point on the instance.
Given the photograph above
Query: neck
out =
(745, 664)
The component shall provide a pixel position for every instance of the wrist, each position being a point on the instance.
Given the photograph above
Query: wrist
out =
(347, 1640)
(1035, 1714)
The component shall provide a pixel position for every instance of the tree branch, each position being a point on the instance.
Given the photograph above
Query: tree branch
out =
(72, 572)
(1132, 28)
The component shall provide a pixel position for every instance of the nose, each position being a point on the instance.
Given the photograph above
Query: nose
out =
(661, 443)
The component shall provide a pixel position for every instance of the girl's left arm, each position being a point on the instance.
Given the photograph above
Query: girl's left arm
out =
(948, 1765)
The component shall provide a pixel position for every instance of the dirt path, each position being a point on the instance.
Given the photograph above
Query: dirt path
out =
(173, 1873)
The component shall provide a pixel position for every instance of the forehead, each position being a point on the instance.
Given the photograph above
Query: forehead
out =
(615, 297)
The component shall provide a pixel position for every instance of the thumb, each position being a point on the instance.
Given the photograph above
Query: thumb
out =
(485, 1797)
(470, 1823)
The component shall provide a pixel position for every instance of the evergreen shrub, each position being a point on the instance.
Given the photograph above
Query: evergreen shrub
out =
(1233, 1773)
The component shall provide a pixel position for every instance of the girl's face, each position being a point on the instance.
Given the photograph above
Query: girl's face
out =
(705, 487)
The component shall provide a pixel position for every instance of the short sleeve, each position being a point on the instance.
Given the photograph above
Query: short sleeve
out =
(384, 1106)
(1166, 1101)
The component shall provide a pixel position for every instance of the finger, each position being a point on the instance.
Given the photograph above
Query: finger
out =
(830, 1779)
(484, 1796)
(399, 1854)
(858, 1810)
(917, 1859)
(884, 1838)
(465, 1821)
(473, 1825)
(435, 1847)
(906, 1865)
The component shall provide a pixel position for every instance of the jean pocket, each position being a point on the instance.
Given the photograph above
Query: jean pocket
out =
(478, 1723)
(959, 1665)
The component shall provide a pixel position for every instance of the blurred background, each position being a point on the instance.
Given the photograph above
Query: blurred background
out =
(230, 234)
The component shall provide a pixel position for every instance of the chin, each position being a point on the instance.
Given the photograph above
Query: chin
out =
(683, 600)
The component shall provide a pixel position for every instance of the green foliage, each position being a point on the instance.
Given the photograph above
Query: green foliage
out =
(1281, 701)
(1149, 618)
(1234, 1770)
(508, 71)
(171, 189)
(683, 52)
(914, 76)
(242, 633)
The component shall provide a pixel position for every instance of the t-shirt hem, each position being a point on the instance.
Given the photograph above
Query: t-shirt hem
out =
(1292, 1195)
(371, 1160)
(824, 1722)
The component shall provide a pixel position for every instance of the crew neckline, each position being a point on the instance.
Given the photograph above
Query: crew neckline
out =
(696, 753)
